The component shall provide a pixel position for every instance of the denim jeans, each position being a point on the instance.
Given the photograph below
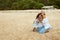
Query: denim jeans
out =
(42, 29)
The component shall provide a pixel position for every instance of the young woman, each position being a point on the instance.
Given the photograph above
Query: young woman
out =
(41, 23)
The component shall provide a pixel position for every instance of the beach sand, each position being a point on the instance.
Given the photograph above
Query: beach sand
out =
(17, 25)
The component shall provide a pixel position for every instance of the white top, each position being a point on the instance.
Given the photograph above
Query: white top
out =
(44, 23)
(36, 24)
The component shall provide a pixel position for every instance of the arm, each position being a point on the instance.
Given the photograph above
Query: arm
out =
(35, 23)
(46, 23)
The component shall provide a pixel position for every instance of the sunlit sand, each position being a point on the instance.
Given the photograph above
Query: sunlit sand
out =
(17, 25)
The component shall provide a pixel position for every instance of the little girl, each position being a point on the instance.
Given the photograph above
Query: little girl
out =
(41, 23)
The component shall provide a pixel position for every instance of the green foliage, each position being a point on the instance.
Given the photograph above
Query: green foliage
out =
(20, 4)
(55, 3)
(6, 4)
(27, 4)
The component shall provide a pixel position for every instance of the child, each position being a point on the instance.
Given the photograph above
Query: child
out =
(41, 23)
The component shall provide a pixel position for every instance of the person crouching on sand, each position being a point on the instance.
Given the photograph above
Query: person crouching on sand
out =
(41, 23)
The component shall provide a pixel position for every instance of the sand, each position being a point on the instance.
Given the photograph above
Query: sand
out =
(17, 25)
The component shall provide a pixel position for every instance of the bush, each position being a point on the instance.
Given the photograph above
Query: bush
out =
(29, 4)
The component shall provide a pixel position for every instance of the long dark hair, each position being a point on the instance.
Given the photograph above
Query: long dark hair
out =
(38, 15)
(41, 18)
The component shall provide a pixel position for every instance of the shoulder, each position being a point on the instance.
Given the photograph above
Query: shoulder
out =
(36, 19)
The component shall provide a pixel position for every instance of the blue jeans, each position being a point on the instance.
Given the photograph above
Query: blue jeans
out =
(42, 29)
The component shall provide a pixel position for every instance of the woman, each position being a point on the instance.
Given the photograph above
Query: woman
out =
(41, 23)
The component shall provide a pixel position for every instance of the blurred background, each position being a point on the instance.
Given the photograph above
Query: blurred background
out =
(29, 4)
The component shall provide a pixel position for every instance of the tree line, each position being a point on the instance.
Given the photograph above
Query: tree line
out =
(27, 4)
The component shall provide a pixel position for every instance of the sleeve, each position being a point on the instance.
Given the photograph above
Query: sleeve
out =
(45, 20)
(35, 23)
(46, 23)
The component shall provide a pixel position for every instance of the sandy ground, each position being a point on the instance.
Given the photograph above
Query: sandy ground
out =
(17, 25)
